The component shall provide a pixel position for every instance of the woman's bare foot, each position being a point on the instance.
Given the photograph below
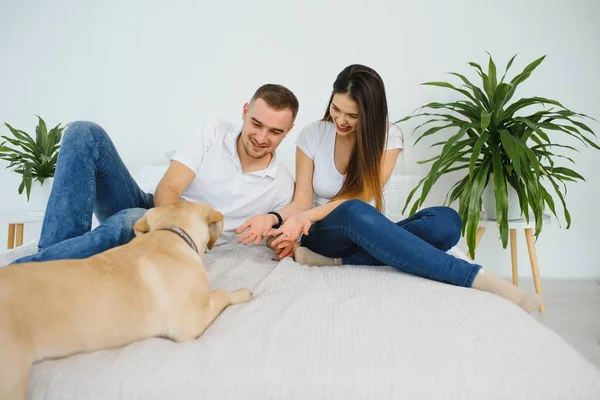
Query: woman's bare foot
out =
(530, 301)
(494, 284)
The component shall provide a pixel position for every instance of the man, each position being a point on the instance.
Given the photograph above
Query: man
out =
(233, 169)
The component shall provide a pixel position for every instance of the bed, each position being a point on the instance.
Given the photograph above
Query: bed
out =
(347, 332)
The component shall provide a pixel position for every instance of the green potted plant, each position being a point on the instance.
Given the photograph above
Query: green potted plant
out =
(507, 150)
(34, 159)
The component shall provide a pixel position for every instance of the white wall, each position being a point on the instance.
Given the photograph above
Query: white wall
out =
(149, 70)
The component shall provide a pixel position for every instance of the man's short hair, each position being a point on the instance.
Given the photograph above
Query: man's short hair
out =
(277, 97)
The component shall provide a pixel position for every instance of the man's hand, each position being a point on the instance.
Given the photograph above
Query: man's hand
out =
(256, 228)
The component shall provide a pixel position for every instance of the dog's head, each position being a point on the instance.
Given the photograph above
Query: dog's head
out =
(202, 222)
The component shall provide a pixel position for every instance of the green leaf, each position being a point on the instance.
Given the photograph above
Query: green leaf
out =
(555, 127)
(533, 160)
(477, 151)
(444, 118)
(512, 149)
(582, 126)
(27, 177)
(450, 86)
(487, 86)
(549, 200)
(485, 120)
(474, 207)
(479, 95)
(566, 171)
(21, 135)
(534, 127)
(507, 67)
(527, 71)
(526, 102)
(23, 144)
(545, 145)
(501, 96)
(432, 175)
(429, 121)
(433, 130)
(571, 131)
(477, 67)
(501, 195)
(456, 190)
(591, 143)
(492, 74)
(42, 132)
(536, 200)
(411, 195)
(464, 108)
(562, 200)
(519, 187)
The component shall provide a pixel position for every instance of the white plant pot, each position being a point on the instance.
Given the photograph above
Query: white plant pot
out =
(489, 202)
(38, 198)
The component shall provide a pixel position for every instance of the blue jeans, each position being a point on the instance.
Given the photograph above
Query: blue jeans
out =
(360, 235)
(90, 178)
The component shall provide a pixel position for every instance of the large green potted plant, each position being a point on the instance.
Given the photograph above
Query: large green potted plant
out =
(34, 158)
(507, 147)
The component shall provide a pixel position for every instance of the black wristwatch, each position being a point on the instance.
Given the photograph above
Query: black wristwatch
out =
(279, 219)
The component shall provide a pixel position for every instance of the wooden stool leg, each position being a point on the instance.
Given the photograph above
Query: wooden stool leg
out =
(513, 257)
(478, 236)
(534, 264)
(20, 229)
(11, 237)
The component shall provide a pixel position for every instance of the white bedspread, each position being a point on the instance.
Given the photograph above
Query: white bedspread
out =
(346, 332)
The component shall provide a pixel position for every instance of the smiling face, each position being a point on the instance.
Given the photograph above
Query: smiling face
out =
(264, 128)
(344, 114)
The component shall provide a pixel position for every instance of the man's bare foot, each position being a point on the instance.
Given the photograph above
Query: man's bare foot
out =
(306, 256)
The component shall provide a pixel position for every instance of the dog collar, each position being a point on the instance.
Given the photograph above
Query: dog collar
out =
(183, 234)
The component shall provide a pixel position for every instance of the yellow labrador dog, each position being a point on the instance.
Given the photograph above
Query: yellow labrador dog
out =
(156, 285)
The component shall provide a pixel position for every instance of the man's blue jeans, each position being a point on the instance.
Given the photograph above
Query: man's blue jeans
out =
(356, 232)
(90, 178)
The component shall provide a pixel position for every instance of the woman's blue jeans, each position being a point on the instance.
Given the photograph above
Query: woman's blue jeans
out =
(360, 235)
(90, 178)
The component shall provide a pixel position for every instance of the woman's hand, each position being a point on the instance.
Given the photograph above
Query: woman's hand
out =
(281, 253)
(287, 251)
(255, 228)
(291, 230)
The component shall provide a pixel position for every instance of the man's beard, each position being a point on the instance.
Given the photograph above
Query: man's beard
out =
(249, 152)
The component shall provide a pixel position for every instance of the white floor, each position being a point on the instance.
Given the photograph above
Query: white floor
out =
(573, 311)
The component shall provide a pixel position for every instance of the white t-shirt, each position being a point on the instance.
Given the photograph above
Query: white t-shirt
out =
(317, 141)
(212, 154)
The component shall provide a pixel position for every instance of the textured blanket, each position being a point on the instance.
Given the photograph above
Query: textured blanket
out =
(348, 332)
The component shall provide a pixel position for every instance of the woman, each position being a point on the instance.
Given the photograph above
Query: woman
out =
(342, 164)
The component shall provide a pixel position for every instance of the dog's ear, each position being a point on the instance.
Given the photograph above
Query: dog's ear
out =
(215, 226)
(142, 226)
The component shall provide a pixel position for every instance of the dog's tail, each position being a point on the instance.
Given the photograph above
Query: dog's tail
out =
(15, 364)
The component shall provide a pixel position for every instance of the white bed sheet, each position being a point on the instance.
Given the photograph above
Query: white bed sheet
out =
(349, 332)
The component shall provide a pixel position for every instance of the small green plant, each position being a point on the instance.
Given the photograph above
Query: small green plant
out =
(507, 143)
(33, 159)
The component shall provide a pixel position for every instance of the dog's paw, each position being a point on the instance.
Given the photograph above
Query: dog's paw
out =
(243, 295)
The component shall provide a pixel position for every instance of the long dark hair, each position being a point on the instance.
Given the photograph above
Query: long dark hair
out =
(363, 175)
